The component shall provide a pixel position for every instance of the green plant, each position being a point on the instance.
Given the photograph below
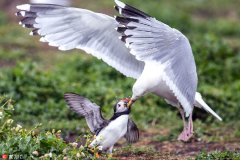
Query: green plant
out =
(21, 143)
(217, 155)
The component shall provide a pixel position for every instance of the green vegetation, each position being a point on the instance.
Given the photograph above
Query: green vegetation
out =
(36, 77)
(20, 143)
(219, 155)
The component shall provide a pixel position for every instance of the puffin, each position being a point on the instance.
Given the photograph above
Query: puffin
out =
(137, 45)
(107, 132)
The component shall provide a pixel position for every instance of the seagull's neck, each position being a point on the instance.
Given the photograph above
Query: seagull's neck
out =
(116, 115)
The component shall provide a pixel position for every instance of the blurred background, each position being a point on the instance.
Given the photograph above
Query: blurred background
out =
(36, 76)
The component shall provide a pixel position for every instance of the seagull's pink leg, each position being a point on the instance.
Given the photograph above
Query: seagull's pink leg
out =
(187, 132)
(183, 134)
(190, 125)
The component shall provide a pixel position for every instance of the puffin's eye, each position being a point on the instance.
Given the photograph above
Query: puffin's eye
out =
(119, 105)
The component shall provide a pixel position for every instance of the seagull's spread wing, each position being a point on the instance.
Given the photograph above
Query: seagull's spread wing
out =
(68, 28)
(132, 134)
(152, 40)
(87, 109)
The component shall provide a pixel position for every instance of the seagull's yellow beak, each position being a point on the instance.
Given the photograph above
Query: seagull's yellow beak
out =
(130, 103)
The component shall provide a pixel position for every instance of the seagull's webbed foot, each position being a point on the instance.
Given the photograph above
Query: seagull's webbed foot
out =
(185, 136)
(187, 132)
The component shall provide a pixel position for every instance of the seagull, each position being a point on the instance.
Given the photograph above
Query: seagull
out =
(107, 132)
(137, 45)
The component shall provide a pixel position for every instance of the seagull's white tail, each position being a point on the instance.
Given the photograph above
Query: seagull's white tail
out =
(199, 102)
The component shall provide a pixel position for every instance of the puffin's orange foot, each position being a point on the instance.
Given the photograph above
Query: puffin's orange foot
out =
(97, 155)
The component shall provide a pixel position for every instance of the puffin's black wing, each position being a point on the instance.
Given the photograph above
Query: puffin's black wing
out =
(132, 134)
(87, 109)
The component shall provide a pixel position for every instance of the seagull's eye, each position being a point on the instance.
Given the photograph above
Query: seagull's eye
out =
(119, 105)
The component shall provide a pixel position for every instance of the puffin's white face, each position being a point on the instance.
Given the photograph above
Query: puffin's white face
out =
(121, 106)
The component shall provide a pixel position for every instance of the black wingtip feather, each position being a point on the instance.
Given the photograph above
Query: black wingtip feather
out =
(128, 13)
(117, 8)
(18, 14)
(26, 14)
(121, 29)
(35, 32)
(124, 38)
(125, 21)
(28, 20)
(28, 26)
(131, 11)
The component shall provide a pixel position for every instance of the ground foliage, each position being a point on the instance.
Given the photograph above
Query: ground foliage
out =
(21, 143)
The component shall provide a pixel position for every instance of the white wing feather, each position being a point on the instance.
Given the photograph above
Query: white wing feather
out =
(68, 28)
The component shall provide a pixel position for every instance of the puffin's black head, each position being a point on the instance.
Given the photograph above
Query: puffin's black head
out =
(122, 106)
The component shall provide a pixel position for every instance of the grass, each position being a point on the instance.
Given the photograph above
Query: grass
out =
(37, 76)
(219, 155)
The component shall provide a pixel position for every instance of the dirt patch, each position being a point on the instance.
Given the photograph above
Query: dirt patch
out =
(172, 150)
(193, 148)
(178, 150)
(7, 64)
(149, 149)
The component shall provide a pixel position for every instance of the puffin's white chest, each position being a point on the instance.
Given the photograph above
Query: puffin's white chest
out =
(115, 130)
